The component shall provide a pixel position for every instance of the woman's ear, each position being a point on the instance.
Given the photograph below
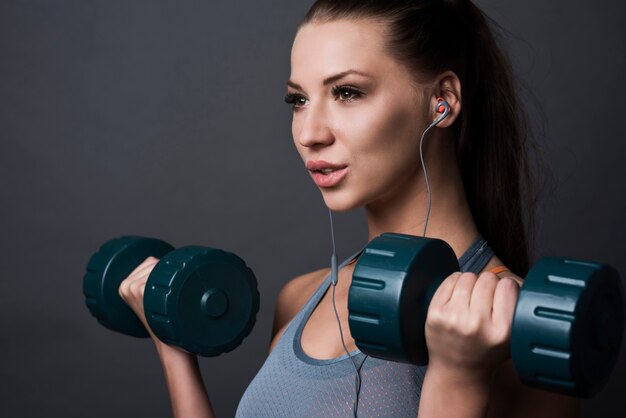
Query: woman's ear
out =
(447, 87)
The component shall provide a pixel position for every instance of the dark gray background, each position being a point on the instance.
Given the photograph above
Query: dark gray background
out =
(166, 119)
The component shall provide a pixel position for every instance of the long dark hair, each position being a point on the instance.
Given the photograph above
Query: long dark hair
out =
(493, 137)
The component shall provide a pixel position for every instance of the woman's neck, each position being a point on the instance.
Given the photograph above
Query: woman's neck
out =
(403, 209)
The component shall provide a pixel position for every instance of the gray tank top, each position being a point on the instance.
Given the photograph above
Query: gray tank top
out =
(292, 384)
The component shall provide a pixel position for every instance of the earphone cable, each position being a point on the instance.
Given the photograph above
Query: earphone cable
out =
(334, 279)
(426, 175)
(333, 258)
(357, 382)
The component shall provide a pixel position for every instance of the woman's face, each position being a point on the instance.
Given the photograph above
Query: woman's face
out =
(357, 114)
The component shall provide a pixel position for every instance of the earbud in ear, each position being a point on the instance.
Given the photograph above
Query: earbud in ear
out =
(442, 107)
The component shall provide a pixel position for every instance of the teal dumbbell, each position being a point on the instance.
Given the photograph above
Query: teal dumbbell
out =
(567, 327)
(201, 299)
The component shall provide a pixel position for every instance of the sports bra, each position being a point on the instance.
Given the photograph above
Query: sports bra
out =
(292, 384)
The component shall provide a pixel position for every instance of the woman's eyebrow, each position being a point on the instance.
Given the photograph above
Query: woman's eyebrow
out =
(332, 78)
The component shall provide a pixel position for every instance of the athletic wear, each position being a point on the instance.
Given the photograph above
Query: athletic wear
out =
(292, 384)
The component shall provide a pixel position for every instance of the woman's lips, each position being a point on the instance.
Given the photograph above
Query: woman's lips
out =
(326, 174)
(329, 179)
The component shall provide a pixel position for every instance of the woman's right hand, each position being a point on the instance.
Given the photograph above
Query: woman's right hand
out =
(132, 291)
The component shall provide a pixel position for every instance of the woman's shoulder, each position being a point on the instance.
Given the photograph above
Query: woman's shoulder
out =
(292, 297)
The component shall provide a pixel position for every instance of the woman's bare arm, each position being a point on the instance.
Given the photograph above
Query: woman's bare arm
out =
(184, 382)
(449, 394)
(188, 394)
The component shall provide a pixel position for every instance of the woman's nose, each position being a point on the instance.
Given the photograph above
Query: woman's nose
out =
(314, 129)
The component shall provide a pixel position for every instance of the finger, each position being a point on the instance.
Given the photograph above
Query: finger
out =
(463, 289)
(143, 270)
(482, 294)
(148, 263)
(444, 291)
(504, 300)
(131, 286)
(137, 287)
(140, 273)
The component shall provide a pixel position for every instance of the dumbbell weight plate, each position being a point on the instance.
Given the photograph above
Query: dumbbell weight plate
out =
(201, 299)
(106, 270)
(567, 326)
(393, 283)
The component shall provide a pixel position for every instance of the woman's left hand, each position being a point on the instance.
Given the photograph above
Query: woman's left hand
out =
(468, 325)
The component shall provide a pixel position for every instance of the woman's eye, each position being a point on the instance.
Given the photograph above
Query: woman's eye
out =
(346, 93)
(295, 100)
(341, 93)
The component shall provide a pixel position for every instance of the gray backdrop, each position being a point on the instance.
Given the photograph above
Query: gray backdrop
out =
(166, 119)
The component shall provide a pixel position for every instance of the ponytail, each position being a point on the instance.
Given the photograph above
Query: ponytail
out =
(493, 144)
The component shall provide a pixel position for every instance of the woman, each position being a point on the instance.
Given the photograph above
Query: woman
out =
(366, 82)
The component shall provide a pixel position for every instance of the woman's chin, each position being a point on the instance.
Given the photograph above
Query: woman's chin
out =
(338, 203)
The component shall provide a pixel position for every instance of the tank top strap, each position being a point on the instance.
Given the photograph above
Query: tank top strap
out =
(310, 305)
(476, 257)
(292, 327)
